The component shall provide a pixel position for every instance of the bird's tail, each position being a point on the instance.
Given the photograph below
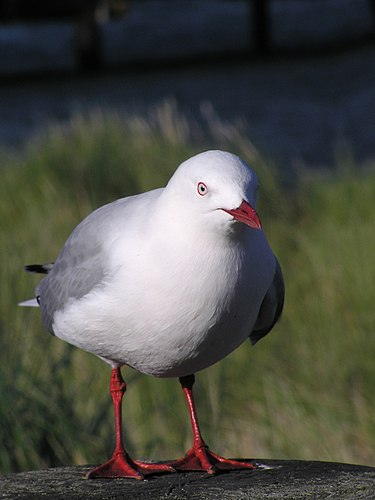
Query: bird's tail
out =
(29, 303)
(35, 268)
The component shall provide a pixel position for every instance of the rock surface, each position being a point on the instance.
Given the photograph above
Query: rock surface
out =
(283, 480)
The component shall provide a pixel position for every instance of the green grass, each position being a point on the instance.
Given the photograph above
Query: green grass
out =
(306, 391)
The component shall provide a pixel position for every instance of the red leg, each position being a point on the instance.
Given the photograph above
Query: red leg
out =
(199, 457)
(121, 465)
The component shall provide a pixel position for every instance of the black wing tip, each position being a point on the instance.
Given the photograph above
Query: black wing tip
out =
(38, 268)
(279, 284)
(256, 335)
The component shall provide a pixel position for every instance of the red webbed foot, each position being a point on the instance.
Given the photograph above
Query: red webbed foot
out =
(200, 458)
(121, 465)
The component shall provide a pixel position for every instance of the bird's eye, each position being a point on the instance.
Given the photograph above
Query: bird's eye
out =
(202, 188)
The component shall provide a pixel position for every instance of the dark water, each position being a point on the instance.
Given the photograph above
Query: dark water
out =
(296, 108)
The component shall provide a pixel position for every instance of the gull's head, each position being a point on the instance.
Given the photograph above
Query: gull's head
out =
(217, 185)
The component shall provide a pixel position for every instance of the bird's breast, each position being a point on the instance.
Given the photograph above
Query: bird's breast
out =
(175, 314)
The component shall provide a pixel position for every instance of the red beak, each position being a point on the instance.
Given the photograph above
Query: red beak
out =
(245, 213)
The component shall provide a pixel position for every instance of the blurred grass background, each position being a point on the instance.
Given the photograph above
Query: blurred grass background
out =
(307, 391)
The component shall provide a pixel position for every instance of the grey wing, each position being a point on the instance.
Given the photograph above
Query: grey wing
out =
(82, 264)
(271, 307)
(79, 268)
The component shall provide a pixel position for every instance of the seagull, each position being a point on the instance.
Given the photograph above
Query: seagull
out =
(167, 282)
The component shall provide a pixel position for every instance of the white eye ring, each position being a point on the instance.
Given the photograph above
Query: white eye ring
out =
(202, 188)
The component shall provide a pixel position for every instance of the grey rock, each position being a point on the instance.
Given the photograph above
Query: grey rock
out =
(285, 480)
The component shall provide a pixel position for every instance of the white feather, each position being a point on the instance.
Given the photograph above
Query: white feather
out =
(29, 303)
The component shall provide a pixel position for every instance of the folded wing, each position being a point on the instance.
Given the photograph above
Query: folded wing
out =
(271, 308)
